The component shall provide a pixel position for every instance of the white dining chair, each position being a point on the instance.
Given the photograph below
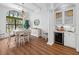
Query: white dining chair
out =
(27, 35)
(16, 38)
(21, 38)
(9, 39)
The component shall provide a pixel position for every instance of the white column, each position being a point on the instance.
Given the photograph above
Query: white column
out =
(77, 26)
(63, 17)
(51, 26)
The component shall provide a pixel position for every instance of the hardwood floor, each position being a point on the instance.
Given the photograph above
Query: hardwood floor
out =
(38, 46)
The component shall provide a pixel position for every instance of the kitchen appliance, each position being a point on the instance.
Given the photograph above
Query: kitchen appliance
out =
(59, 38)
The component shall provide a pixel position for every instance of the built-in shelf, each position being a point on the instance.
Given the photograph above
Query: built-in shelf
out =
(58, 17)
(64, 17)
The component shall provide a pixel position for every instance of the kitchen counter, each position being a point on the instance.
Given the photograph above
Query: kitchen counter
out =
(60, 31)
(65, 31)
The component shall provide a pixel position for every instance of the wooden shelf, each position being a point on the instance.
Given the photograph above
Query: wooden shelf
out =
(11, 17)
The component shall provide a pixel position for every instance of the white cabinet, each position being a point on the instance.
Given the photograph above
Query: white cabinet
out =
(65, 17)
(69, 39)
(35, 32)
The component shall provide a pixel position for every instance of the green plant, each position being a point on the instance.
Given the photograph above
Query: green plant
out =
(26, 24)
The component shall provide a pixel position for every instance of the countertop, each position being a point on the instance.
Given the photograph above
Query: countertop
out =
(64, 31)
(59, 31)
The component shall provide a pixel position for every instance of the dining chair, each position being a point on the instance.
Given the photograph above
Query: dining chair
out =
(26, 35)
(16, 38)
(21, 38)
(9, 39)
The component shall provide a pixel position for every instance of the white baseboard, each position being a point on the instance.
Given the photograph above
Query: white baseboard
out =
(50, 43)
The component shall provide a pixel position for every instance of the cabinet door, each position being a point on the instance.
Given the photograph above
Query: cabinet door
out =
(66, 39)
(68, 17)
(58, 18)
(69, 39)
(72, 40)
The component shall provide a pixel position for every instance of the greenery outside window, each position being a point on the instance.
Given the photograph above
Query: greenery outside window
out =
(13, 21)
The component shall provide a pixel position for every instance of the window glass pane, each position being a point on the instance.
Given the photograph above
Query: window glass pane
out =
(10, 28)
(18, 21)
(13, 22)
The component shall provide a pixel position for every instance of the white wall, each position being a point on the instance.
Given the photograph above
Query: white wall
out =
(3, 12)
(34, 16)
(45, 20)
(43, 16)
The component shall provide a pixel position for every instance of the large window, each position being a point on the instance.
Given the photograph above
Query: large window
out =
(13, 21)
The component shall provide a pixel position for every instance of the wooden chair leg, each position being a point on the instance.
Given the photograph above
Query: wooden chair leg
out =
(9, 40)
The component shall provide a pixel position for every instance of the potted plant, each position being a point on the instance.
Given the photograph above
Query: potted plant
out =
(26, 24)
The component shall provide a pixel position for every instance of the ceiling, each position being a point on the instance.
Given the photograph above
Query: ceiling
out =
(33, 7)
(39, 6)
(30, 7)
(58, 6)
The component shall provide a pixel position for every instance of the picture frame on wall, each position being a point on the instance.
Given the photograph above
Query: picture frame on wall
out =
(36, 22)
